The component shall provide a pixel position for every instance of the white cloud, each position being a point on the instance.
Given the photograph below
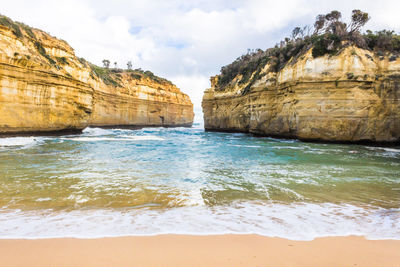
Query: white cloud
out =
(184, 41)
(196, 83)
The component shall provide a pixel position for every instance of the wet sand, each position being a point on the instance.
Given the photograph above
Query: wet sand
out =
(186, 250)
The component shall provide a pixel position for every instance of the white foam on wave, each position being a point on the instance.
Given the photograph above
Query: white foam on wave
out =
(291, 147)
(143, 137)
(249, 146)
(296, 221)
(394, 150)
(101, 131)
(96, 131)
(18, 141)
(153, 129)
(387, 149)
(121, 138)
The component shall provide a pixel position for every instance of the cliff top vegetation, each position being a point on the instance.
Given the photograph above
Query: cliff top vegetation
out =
(112, 76)
(328, 35)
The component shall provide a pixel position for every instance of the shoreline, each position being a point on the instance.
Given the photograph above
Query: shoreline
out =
(191, 250)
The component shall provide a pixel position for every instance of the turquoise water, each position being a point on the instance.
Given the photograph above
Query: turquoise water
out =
(184, 180)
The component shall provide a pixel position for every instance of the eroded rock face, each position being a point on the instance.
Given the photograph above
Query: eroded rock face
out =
(44, 87)
(141, 102)
(351, 97)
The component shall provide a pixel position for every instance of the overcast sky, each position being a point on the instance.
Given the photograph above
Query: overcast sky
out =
(184, 41)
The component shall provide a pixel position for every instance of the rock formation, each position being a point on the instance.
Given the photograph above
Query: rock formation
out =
(44, 87)
(353, 96)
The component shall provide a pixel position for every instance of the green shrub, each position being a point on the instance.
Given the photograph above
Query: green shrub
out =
(62, 60)
(28, 30)
(116, 70)
(12, 25)
(383, 41)
(104, 74)
(42, 51)
(350, 75)
(83, 61)
(135, 76)
(325, 44)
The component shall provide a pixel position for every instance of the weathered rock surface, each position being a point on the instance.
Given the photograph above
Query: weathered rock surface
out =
(141, 102)
(351, 97)
(44, 87)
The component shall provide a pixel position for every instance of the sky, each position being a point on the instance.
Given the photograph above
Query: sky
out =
(185, 41)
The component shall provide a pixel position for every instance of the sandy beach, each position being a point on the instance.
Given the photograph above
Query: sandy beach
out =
(184, 250)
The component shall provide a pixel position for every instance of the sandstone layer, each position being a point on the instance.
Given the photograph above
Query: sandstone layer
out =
(351, 97)
(44, 87)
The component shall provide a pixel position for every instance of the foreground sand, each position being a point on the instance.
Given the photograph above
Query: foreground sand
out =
(182, 250)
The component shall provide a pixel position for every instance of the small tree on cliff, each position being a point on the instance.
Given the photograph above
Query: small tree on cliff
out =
(129, 64)
(358, 20)
(319, 24)
(296, 32)
(106, 63)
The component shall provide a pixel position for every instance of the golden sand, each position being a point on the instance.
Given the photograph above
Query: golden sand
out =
(185, 250)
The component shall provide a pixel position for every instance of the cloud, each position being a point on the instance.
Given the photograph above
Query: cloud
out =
(195, 83)
(183, 41)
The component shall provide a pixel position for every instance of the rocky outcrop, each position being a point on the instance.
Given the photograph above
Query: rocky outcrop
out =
(350, 97)
(44, 87)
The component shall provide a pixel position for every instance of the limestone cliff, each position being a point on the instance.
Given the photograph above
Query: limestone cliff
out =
(44, 87)
(353, 96)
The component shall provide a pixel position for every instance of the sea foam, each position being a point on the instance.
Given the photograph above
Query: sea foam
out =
(297, 221)
(121, 138)
(18, 141)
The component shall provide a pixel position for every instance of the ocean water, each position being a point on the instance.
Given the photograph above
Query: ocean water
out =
(187, 181)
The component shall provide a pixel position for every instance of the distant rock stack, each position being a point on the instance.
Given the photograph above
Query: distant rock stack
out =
(350, 97)
(45, 88)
